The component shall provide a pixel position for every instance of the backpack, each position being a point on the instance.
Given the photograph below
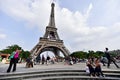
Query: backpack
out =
(12, 55)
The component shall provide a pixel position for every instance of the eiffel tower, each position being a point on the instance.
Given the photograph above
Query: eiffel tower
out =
(50, 41)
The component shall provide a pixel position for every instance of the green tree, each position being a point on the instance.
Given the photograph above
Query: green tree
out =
(89, 54)
(100, 53)
(10, 49)
(79, 54)
(25, 54)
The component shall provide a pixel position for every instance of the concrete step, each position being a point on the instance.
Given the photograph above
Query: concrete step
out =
(57, 74)
(73, 78)
(63, 77)
(51, 71)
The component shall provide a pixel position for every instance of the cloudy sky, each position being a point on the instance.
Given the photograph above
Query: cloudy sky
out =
(82, 24)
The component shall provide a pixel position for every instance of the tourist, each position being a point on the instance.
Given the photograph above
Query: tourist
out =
(98, 70)
(29, 62)
(47, 60)
(70, 61)
(67, 60)
(14, 57)
(103, 60)
(3, 60)
(52, 60)
(91, 67)
(110, 59)
(43, 59)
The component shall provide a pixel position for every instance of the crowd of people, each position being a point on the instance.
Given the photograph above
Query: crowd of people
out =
(42, 60)
(52, 60)
(93, 64)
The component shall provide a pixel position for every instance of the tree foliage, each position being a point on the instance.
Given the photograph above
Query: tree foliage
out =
(24, 54)
(90, 53)
(79, 54)
(10, 49)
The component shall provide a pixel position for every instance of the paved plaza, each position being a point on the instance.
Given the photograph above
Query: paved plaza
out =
(79, 66)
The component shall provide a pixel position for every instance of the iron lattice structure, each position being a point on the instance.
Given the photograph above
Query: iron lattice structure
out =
(50, 41)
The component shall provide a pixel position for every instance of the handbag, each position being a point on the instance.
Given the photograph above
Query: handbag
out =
(87, 69)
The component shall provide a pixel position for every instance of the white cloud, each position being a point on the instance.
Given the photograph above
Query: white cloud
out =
(89, 9)
(2, 36)
(33, 12)
(72, 26)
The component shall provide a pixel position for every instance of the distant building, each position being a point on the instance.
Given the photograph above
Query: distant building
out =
(4, 55)
(4, 58)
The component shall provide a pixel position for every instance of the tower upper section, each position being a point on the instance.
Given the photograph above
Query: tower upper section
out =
(52, 18)
(51, 30)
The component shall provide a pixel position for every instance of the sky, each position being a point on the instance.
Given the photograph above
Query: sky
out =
(82, 24)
